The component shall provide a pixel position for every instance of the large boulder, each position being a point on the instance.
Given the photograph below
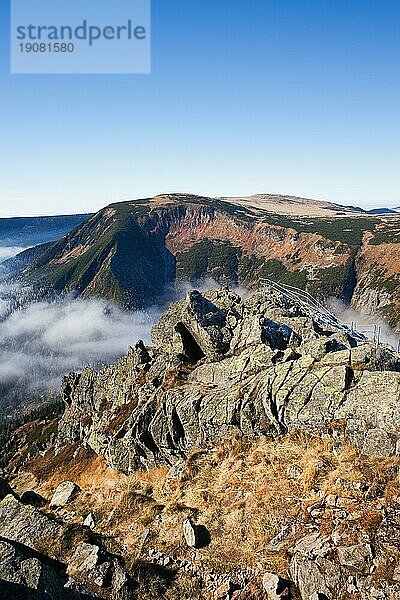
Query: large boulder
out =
(200, 325)
(27, 575)
(64, 493)
(34, 549)
(100, 572)
(27, 525)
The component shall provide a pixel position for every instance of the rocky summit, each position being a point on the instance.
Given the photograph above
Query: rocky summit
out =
(220, 366)
(252, 452)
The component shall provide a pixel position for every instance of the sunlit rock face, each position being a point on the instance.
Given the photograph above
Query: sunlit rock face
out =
(220, 365)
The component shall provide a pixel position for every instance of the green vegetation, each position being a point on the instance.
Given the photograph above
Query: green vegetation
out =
(110, 253)
(331, 281)
(390, 284)
(348, 230)
(25, 436)
(209, 258)
(379, 281)
(253, 268)
(119, 253)
(387, 233)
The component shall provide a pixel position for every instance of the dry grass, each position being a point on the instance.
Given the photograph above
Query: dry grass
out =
(242, 491)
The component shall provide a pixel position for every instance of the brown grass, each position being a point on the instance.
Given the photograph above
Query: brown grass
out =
(122, 414)
(240, 490)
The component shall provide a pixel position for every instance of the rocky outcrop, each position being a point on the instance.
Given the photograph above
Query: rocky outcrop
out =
(28, 575)
(28, 526)
(244, 373)
(322, 569)
(220, 365)
(42, 557)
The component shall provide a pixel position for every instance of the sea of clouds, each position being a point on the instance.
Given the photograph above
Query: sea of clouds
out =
(9, 251)
(42, 341)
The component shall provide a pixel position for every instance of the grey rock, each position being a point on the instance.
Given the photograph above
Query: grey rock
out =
(25, 574)
(199, 325)
(313, 545)
(312, 569)
(220, 366)
(280, 539)
(377, 442)
(27, 525)
(190, 533)
(293, 471)
(90, 521)
(357, 556)
(276, 587)
(176, 471)
(95, 567)
(64, 493)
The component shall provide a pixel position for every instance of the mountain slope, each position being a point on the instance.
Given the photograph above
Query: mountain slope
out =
(132, 252)
(249, 453)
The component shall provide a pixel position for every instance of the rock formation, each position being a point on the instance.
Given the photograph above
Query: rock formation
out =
(221, 369)
(220, 365)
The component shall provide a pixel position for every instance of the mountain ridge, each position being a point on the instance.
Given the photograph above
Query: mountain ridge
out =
(133, 252)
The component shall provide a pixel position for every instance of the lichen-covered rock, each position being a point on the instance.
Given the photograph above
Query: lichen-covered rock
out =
(27, 525)
(34, 549)
(259, 367)
(100, 571)
(312, 569)
(64, 493)
(198, 326)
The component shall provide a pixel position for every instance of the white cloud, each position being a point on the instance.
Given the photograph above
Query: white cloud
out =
(365, 324)
(9, 251)
(43, 341)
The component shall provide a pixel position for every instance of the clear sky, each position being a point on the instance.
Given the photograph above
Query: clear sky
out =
(246, 96)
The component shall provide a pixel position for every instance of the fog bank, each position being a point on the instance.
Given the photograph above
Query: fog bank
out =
(43, 341)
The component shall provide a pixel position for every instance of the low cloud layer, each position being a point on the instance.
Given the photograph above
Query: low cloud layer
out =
(43, 341)
(363, 323)
(9, 251)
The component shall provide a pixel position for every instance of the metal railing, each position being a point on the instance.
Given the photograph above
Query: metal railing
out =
(321, 312)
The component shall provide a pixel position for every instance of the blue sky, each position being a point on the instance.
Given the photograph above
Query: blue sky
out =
(245, 96)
